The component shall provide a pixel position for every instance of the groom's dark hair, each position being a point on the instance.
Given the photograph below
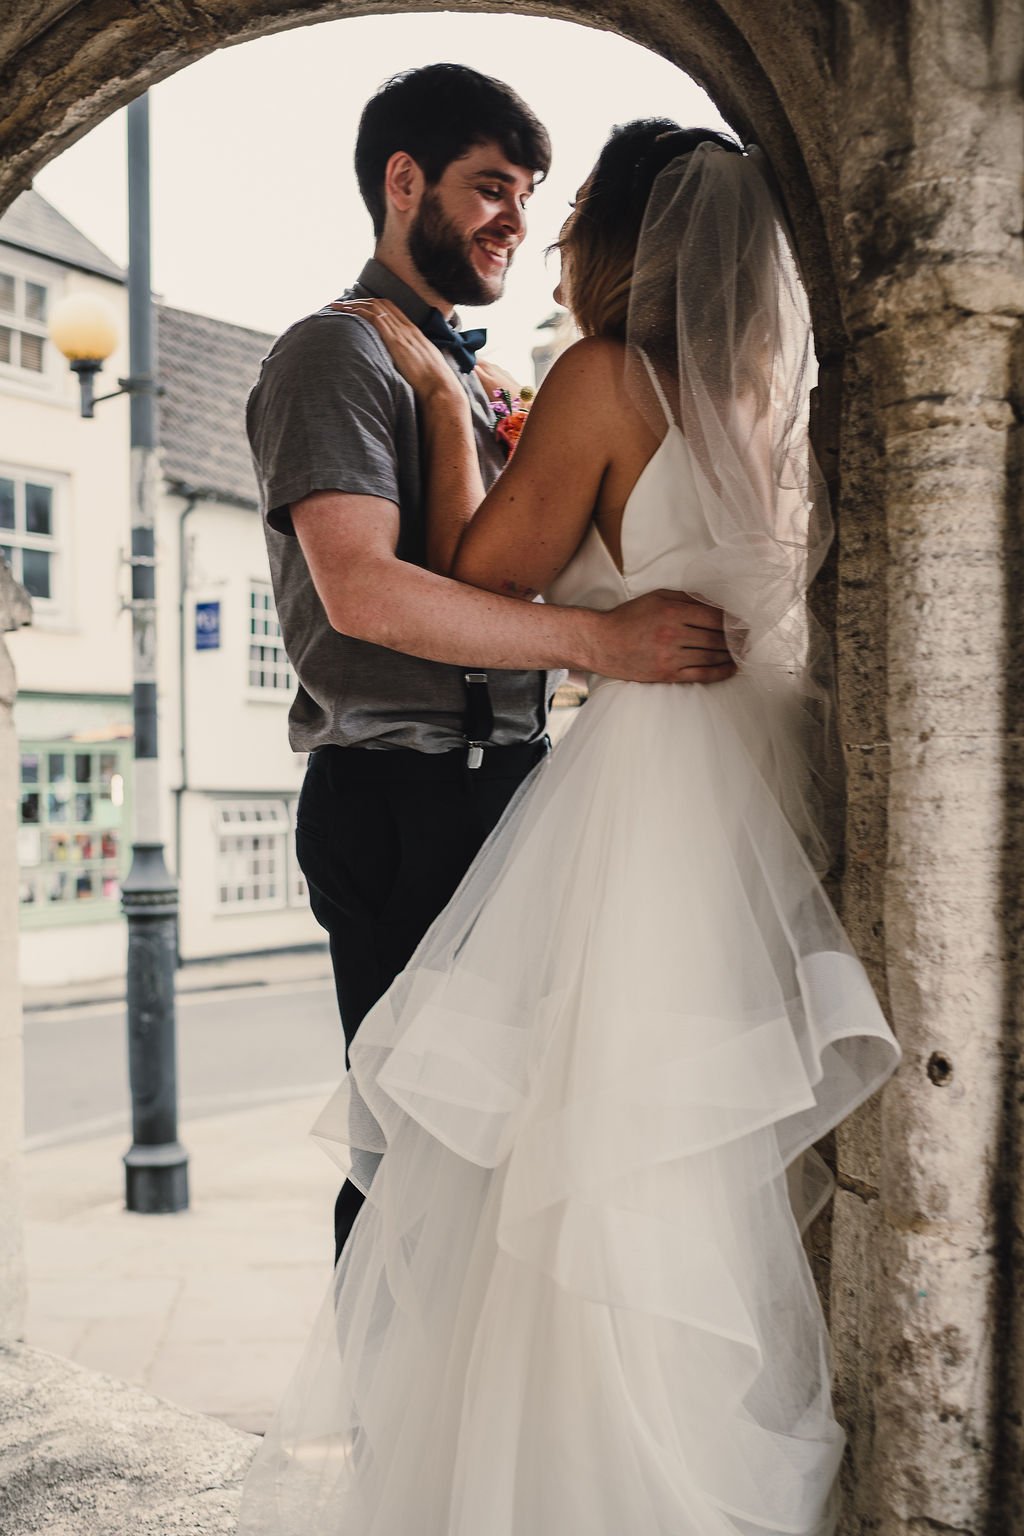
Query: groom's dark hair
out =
(436, 115)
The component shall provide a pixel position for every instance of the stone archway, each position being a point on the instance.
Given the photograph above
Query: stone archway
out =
(895, 131)
(74, 64)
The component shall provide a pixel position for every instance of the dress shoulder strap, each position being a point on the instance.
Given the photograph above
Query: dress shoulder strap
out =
(658, 389)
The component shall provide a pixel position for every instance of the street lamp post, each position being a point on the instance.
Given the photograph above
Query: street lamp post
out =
(156, 1164)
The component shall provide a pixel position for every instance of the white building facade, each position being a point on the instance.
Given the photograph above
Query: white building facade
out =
(225, 683)
(229, 780)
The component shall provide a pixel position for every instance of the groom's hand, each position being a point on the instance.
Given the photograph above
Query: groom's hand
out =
(664, 637)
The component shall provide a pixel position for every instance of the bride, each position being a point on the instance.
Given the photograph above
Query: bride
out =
(576, 1302)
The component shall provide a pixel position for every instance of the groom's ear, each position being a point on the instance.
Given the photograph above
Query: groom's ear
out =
(403, 182)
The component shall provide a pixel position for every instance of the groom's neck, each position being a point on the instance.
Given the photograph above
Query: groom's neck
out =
(394, 255)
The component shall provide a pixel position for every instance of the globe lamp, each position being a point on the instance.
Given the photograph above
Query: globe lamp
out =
(84, 329)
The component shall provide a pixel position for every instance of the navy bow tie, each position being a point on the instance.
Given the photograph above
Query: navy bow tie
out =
(463, 345)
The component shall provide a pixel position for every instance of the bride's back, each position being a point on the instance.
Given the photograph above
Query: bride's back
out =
(647, 527)
(633, 446)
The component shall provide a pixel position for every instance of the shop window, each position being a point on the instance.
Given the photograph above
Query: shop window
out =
(71, 827)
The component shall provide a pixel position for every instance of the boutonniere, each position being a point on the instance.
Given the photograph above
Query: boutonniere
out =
(510, 412)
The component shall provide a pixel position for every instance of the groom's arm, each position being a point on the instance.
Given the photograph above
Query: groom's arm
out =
(370, 594)
(322, 422)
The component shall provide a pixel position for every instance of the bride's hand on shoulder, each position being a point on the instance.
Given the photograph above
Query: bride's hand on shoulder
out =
(492, 377)
(417, 359)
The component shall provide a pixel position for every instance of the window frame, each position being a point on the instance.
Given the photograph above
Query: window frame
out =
(268, 641)
(277, 827)
(24, 272)
(55, 544)
(298, 890)
(281, 827)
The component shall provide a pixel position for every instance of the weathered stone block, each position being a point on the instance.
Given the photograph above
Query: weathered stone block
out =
(83, 1455)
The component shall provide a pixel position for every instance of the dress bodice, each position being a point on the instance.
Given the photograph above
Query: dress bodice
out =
(663, 532)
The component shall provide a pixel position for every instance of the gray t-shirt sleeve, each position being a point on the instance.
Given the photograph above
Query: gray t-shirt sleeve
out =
(322, 416)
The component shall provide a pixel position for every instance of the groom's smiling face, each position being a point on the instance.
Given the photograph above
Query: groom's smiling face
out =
(469, 224)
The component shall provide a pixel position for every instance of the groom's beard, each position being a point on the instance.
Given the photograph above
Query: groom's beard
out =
(442, 256)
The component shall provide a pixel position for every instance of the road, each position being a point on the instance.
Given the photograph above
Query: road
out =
(236, 1047)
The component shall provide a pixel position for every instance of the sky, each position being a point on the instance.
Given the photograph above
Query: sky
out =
(256, 214)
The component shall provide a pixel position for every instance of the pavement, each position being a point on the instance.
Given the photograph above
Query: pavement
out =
(233, 973)
(208, 1308)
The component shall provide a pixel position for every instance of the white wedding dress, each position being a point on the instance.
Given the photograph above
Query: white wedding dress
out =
(576, 1302)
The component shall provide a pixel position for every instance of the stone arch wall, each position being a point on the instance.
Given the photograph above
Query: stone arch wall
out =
(63, 67)
(895, 129)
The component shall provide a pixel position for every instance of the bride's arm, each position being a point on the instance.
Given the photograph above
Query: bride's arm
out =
(517, 538)
(454, 488)
(531, 521)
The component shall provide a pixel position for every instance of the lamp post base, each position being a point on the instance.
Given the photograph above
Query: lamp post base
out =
(156, 1179)
(157, 1165)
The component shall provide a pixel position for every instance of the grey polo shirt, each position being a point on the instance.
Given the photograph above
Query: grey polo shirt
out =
(330, 411)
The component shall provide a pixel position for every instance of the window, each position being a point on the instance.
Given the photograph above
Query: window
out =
(28, 531)
(298, 891)
(256, 865)
(23, 310)
(71, 845)
(268, 664)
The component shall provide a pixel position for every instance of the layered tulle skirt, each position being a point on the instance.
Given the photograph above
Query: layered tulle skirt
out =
(576, 1302)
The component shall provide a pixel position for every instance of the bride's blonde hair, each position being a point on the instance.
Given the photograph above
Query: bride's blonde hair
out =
(599, 242)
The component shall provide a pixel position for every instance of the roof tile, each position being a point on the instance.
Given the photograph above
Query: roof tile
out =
(33, 224)
(207, 368)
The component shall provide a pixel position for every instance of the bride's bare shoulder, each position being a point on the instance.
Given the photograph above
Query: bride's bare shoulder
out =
(589, 381)
(593, 355)
(589, 372)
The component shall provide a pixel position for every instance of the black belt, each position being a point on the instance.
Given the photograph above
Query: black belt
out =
(398, 765)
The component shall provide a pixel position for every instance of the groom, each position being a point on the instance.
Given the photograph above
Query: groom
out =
(400, 671)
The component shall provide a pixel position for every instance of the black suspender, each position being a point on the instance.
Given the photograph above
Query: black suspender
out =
(479, 720)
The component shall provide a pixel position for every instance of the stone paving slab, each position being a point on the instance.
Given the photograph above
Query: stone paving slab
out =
(208, 1308)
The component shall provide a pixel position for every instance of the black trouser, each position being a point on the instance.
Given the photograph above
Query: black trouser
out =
(383, 839)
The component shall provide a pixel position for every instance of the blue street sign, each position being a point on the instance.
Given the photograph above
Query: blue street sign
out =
(208, 626)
